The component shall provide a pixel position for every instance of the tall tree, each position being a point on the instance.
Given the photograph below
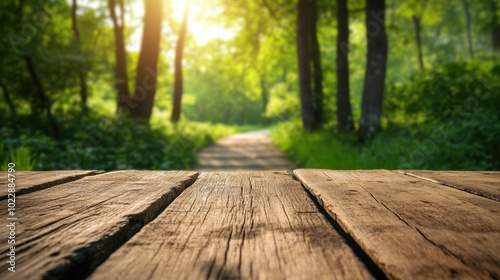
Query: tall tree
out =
(45, 105)
(304, 60)
(316, 62)
(468, 23)
(178, 86)
(81, 71)
(121, 76)
(145, 84)
(495, 25)
(344, 110)
(264, 92)
(376, 64)
(418, 40)
(8, 99)
(418, 8)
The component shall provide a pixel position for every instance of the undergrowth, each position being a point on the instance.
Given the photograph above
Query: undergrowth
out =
(107, 143)
(446, 118)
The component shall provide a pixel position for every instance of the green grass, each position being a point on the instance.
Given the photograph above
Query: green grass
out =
(394, 148)
(21, 157)
(326, 149)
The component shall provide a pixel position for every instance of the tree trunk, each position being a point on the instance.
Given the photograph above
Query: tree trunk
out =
(304, 61)
(418, 38)
(376, 64)
(121, 75)
(81, 72)
(6, 94)
(316, 61)
(178, 87)
(145, 85)
(264, 93)
(45, 105)
(344, 110)
(44, 101)
(495, 27)
(12, 108)
(468, 27)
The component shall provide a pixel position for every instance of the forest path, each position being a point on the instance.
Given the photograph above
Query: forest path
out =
(243, 151)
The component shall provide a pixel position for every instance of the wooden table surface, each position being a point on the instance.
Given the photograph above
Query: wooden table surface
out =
(305, 224)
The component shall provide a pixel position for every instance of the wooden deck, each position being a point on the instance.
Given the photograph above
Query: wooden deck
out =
(305, 224)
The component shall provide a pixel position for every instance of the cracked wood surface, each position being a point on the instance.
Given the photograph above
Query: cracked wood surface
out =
(483, 183)
(237, 225)
(412, 228)
(30, 181)
(65, 231)
(245, 151)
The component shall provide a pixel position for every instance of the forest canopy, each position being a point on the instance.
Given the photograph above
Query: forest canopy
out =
(372, 84)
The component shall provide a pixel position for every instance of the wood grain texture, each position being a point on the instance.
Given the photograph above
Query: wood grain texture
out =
(483, 183)
(237, 225)
(412, 228)
(30, 181)
(65, 231)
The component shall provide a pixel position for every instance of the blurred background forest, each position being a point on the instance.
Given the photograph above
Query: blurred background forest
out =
(144, 84)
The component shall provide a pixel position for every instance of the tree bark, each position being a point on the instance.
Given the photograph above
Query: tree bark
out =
(178, 87)
(418, 39)
(121, 75)
(304, 64)
(376, 64)
(81, 71)
(468, 24)
(344, 110)
(145, 85)
(316, 62)
(6, 94)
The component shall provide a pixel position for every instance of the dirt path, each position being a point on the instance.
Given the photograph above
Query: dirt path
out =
(245, 151)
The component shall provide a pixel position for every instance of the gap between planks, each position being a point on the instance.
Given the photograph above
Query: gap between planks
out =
(237, 225)
(66, 231)
(409, 227)
(481, 183)
(32, 181)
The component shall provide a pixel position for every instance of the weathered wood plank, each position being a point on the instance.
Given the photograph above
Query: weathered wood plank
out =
(31, 181)
(65, 231)
(237, 168)
(237, 225)
(410, 227)
(483, 183)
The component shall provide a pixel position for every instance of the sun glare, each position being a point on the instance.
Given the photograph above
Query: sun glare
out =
(198, 25)
(178, 7)
(201, 25)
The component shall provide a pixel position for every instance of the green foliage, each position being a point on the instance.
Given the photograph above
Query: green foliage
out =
(100, 142)
(450, 89)
(454, 110)
(21, 157)
(444, 119)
